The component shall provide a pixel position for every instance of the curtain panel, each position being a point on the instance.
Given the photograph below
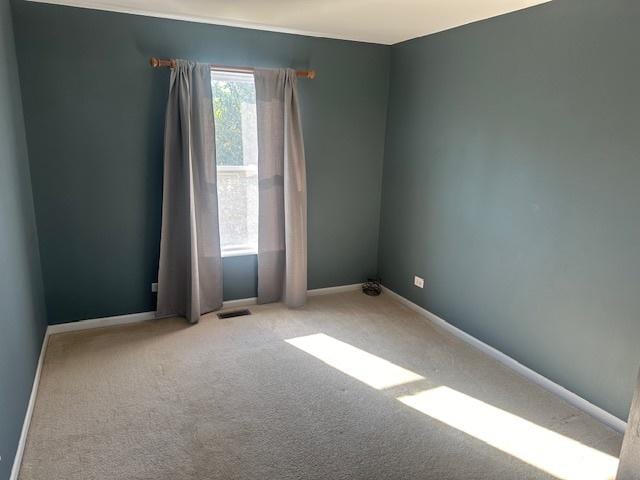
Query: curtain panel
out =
(190, 270)
(282, 237)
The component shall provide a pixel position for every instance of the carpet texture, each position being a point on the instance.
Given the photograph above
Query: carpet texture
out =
(232, 399)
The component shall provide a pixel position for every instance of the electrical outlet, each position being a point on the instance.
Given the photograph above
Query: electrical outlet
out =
(154, 288)
(418, 282)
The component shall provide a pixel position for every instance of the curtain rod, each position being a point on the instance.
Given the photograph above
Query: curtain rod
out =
(171, 63)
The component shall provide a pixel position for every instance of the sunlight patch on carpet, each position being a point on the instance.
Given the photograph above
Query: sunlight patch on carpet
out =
(562, 457)
(370, 369)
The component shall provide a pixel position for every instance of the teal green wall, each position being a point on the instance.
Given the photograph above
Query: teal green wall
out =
(22, 315)
(512, 185)
(511, 171)
(95, 109)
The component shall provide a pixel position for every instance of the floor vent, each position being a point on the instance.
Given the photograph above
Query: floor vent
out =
(234, 313)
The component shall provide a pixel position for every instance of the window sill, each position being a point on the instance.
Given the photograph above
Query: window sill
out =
(245, 252)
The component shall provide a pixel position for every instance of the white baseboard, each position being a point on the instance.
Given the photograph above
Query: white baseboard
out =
(144, 316)
(17, 461)
(241, 302)
(573, 399)
(246, 302)
(331, 290)
(101, 322)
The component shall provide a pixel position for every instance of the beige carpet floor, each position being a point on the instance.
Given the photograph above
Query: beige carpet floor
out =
(350, 387)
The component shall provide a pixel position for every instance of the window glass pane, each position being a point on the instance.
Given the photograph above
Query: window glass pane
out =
(234, 98)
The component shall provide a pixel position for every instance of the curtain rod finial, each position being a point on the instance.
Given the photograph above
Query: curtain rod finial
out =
(156, 62)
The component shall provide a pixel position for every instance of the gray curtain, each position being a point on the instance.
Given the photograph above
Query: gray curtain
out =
(190, 273)
(282, 229)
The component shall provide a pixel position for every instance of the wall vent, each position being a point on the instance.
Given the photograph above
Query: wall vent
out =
(234, 313)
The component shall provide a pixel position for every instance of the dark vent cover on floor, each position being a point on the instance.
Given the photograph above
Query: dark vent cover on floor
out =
(235, 313)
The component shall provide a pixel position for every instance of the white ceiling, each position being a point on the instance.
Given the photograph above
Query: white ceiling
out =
(376, 21)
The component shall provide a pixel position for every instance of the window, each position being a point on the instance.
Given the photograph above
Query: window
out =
(234, 101)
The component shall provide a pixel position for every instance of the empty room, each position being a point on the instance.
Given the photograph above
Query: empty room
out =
(354, 239)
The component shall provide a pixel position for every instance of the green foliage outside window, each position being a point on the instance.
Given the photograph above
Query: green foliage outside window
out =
(228, 98)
